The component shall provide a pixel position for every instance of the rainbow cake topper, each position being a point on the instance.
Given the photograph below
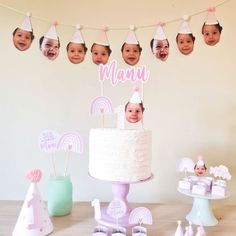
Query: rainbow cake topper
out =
(101, 105)
(50, 141)
(220, 171)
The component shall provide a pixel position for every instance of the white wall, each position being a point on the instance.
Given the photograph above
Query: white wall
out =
(190, 100)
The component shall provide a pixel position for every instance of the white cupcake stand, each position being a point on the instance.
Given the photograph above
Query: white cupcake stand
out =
(201, 212)
(120, 191)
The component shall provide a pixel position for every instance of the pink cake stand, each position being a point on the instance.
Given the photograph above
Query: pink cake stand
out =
(120, 191)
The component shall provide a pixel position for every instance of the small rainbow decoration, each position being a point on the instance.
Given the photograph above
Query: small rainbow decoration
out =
(71, 142)
(140, 215)
(101, 105)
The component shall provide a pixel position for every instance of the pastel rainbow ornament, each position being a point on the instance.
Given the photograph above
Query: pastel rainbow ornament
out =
(71, 142)
(33, 219)
(101, 105)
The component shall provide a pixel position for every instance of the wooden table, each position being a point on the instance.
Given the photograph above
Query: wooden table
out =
(81, 222)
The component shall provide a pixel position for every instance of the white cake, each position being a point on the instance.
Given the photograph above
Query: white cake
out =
(184, 184)
(122, 155)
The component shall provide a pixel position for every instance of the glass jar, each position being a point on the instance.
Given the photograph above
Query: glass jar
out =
(59, 196)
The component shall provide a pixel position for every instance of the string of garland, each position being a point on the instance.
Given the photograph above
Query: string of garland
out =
(110, 28)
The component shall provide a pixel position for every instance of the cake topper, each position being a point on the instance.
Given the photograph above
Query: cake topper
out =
(134, 108)
(70, 142)
(220, 171)
(47, 142)
(200, 167)
(50, 141)
(185, 165)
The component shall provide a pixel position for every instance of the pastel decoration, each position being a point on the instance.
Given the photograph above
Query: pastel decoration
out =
(200, 161)
(101, 105)
(131, 36)
(26, 24)
(47, 141)
(52, 32)
(159, 34)
(60, 191)
(139, 231)
(100, 231)
(120, 111)
(102, 37)
(140, 215)
(184, 27)
(186, 231)
(135, 97)
(220, 171)
(185, 165)
(77, 36)
(33, 219)
(71, 142)
(179, 230)
(116, 208)
(119, 231)
(34, 176)
(190, 229)
(211, 18)
(97, 209)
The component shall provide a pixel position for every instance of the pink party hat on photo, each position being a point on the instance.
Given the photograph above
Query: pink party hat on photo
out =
(77, 37)
(184, 26)
(211, 18)
(52, 32)
(179, 230)
(26, 24)
(200, 161)
(33, 219)
(131, 37)
(159, 34)
(135, 97)
(102, 37)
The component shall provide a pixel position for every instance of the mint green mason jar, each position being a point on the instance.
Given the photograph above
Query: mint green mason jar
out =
(59, 196)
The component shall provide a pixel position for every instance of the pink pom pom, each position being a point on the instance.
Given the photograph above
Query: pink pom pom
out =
(105, 28)
(161, 23)
(34, 175)
(211, 9)
(55, 23)
(200, 157)
(135, 88)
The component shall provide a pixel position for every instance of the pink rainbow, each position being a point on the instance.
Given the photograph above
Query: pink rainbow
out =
(101, 104)
(70, 141)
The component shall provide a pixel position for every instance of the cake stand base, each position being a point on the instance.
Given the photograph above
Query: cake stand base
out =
(120, 191)
(201, 213)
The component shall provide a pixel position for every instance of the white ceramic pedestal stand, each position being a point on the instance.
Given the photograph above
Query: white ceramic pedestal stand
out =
(201, 212)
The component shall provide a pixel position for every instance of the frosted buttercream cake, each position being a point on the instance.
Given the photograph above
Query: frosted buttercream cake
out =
(122, 155)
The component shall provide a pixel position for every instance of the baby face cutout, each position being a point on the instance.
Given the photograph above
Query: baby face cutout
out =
(100, 54)
(131, 53)
(76, 52)
(160, 49)
(185, 43)
(211, 34)
(133, 112)
(50, 48)
(200, 170)
(22, 39)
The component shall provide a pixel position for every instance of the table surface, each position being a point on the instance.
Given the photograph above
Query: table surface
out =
(81, 222)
